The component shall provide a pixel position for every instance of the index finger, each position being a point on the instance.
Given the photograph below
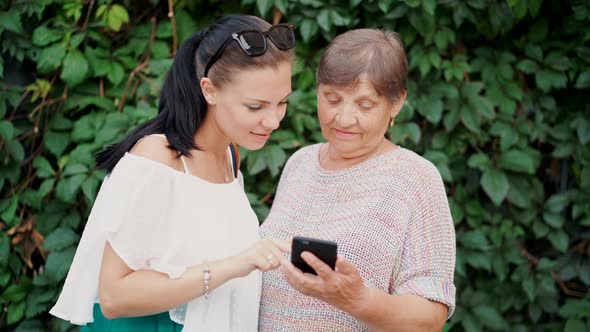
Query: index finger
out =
(283, 245)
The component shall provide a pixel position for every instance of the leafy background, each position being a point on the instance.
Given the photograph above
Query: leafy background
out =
(497, 100)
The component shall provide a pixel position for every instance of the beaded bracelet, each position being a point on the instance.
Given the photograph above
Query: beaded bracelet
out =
(206, 278)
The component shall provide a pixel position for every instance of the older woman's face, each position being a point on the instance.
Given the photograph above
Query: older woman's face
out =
(354, 120)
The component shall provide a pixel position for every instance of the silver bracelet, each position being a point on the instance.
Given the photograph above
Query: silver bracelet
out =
(206, 278)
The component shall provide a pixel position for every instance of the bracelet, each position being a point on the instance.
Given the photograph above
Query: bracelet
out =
(206, 278)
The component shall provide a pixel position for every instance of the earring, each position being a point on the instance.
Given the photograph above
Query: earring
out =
(391, 123)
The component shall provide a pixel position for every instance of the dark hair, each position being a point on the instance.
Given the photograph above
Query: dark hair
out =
(378, 54)
(182, 106)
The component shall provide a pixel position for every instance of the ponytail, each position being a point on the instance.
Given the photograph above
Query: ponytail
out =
(181, 110)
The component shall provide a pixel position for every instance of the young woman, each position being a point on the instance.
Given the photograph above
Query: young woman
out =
(171, 238)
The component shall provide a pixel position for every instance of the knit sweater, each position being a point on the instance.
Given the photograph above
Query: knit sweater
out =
(390, 217)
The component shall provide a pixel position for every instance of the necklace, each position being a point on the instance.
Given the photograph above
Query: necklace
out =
(224, 168)
(369, 158)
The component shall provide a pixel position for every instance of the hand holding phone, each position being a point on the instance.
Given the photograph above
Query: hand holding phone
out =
(322, 249)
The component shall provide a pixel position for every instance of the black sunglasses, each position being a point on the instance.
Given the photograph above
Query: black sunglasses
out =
(253, 42)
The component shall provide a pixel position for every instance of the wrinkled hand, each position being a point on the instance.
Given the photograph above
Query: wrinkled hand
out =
(343, 288)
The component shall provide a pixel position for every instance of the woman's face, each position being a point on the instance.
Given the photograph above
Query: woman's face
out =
(354, 120)
(251, 106)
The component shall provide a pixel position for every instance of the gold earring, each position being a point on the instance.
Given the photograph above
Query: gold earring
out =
(391, 123)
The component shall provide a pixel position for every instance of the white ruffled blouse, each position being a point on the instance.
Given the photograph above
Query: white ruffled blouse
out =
(158, 218)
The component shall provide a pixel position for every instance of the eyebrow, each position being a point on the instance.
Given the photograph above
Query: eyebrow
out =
(268, 102)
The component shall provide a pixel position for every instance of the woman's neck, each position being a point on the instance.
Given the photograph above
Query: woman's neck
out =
(210, 138)
(332, 160)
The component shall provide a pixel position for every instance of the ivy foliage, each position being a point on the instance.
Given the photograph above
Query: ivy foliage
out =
(497, 100)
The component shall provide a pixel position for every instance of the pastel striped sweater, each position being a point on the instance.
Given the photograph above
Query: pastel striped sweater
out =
(390, 217)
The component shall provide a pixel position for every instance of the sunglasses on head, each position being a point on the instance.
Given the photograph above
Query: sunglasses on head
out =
(253, 42)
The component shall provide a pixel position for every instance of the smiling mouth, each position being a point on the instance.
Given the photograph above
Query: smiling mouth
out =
(261, 135)
(344, 132)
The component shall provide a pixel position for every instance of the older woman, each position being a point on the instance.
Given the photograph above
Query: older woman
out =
(384, 205)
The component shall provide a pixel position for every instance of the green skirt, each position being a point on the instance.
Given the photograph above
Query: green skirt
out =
(152, 323)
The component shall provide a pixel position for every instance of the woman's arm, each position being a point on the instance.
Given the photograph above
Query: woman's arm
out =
(385, 312)
(345, 290)
(124, 292)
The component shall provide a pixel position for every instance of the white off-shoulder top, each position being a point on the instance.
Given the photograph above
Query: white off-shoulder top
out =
(158, 218)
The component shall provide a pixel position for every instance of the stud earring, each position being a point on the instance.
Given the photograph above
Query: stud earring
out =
(391, 123)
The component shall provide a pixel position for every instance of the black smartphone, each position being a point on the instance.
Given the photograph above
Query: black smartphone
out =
(324, 250)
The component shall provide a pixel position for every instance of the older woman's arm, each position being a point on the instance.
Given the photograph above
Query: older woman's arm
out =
(380, 311)
(385, 312)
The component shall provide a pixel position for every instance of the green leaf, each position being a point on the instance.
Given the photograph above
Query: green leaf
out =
(479, 161)
(56, 142)
(557, 202)
(432, 109)
(116, 16)
(429, 6)
(475, 239)
(256, 163)
(89, 187)
(527, 66)
(68, 188)
(58, 263)
(263, 6)
(43, 167)
(508, 138)
(16, 312)
(10, 21)
(50, 58)
(413, 132)
(30, 326)
(9, 208)
(308, 29)
(528, 285)
(116, 73)
(559, 239)
(6, 130)
(16, 293)
(16, 150)
(483, 106)
(60, 238)
(583, 81)
(495, 184)
(583, 131)
(46, 187)
(164, 29)
(470, 324)
(553, 220)
(276, 157)
(470, 118)
(490, 317)
(60, 122)
(384, 5)
(548, 79)
(324, 20)
(43, 36)
(518, 161)
(75, 68)
(75, 168)
(282, 5)
(575, 325)
(77, 39)
(160, 50)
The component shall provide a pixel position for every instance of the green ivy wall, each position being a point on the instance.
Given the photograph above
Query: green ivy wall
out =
(497, 100)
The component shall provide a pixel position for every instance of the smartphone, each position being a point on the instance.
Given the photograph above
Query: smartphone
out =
(324, 250)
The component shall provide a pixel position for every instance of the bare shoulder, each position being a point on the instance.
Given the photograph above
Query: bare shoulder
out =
(157, 149)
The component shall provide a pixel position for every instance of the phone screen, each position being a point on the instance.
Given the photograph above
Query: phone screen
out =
(324, 250)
